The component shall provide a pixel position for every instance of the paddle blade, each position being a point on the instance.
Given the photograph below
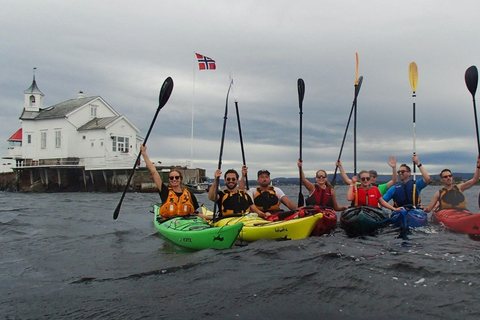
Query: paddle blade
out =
(413, 75)
(301, 91)
(356, 68)
(165, 92)
(358, 86)
(471, 79)
(301, 200)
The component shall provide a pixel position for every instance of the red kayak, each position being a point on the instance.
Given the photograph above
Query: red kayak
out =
(324, 225)
(459, 220)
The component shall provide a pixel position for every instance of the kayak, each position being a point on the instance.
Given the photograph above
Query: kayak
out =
(255, 228)
(324, 225)
(411, 218)
(362, 220)
(195, 233)
(458, 220)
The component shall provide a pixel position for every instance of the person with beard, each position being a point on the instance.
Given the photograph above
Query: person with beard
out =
(451, 195)
(267, 197)
(232, 201)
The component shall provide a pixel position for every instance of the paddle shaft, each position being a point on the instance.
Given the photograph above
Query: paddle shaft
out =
(301, 94)
(217, 179)
(414, 133)
(241, 140)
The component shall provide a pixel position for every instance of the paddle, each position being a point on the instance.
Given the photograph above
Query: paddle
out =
(241, 140)
(471, 79)
(413, 76)
(301, 94)
(165, 93)
(357, 90)
(217, 180)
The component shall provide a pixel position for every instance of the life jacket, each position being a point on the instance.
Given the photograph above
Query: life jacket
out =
(367, 197)
(267, 200)
(453, 198)
(404, 194)
(177, 205)
(233, 203)
(320, 197)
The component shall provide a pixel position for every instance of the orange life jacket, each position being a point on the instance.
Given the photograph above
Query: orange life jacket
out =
(177, 205)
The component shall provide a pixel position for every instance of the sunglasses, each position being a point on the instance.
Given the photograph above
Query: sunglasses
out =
(321, 177)
(401, 171)
(365, 179)
(446, 176)
(231, 179)
(174, 177)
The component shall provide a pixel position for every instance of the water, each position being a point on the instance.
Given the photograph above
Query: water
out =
(64, 257)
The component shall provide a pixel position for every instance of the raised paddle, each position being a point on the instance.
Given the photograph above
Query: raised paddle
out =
(217, 180)
(413, 77)
(357, 91)
(471, 79)
(301, 94)
(165, 93)
(241, 140)
(355, 119)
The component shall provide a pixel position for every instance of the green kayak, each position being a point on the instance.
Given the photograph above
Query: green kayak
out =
(195, 233)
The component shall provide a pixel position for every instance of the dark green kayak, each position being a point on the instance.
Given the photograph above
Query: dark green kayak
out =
(195, 233)
(363, 220)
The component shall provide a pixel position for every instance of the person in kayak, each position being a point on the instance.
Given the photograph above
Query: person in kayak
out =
(232, 200)
(451, 195)
(322, 192)
(267, 197)
(406, 192)
(374, 176)
(176, 200)
(365, 194)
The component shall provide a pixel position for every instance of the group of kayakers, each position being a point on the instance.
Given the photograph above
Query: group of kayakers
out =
(266, 199)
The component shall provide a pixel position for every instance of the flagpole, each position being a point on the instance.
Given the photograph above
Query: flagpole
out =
(193, 108)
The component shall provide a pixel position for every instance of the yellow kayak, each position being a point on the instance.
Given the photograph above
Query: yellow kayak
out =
(255, 228)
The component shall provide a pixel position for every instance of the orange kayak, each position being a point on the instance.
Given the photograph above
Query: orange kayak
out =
(459, 220)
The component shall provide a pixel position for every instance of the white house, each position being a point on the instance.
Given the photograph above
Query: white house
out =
(85, 132)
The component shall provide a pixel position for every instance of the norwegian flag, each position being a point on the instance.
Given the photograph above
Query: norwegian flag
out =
(205, 63)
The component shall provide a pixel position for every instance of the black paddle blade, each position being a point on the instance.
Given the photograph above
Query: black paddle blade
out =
(165, 92)
(301, 200)
(359, 85)
(471, 79)
(301, 91)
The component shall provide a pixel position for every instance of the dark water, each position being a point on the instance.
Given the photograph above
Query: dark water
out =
(62, 256)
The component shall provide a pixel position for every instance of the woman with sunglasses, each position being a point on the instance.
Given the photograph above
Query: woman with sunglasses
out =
(320, 193)
(365, 194)
(451, 195)
(176, 200)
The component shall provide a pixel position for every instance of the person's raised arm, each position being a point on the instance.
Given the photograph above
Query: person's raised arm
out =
(345, 178)
(393, 165)
(470, 183)
(425, 175)
(212, 191)
(310, 186)
(242, 182)
(352, 189)
(151, 167)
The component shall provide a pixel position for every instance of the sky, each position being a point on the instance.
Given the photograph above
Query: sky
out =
(124, 50)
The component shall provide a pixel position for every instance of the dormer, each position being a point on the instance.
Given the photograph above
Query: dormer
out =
(33, 97)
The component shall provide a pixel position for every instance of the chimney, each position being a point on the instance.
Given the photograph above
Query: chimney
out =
(80, 95)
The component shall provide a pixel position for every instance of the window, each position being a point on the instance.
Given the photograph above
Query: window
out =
(120, 144)
(93, 112)
(43, 139)
(58, 139)
(29, 138)
(32, 100)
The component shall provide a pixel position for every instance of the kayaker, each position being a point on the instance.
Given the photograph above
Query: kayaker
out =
(451, 195)
(374, 176)
(365, 194)
(176, 200)
(232, 200)
(267, 197)
(321, 192)
(406, 192)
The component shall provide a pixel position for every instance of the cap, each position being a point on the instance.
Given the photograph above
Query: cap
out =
(262, 172)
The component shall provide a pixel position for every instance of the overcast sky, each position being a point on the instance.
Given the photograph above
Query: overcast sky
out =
(124, 50)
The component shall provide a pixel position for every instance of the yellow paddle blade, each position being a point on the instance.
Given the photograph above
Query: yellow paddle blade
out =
(413, 75)
(356, 70)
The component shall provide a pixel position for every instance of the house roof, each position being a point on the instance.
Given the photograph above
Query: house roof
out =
(60, 110)
(17, 136)
(33, 88)
(98, 123)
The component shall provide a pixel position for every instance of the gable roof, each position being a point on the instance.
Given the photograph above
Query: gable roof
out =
(17, 136)
(60, 110)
